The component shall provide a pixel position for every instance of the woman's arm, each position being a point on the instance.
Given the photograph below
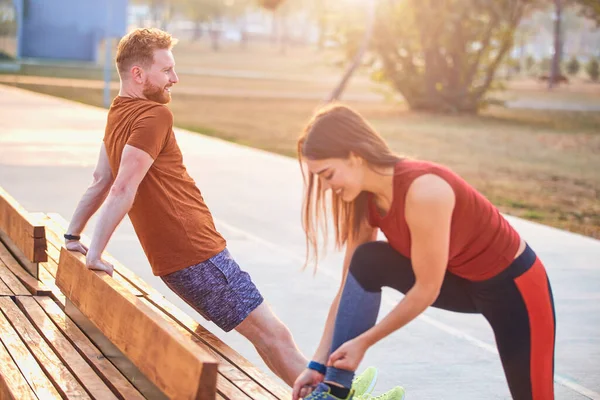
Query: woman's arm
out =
(366, 234)
(429, 205)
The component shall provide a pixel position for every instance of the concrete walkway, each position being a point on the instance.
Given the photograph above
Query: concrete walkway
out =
(48, 148)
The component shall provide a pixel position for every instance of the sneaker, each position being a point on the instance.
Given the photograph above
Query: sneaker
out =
(364, 383)
(321, 392)
(396, 393)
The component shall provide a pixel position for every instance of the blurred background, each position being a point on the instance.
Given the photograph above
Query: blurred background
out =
(505, 92)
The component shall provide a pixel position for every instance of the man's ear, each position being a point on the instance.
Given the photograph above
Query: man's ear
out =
(138, 74)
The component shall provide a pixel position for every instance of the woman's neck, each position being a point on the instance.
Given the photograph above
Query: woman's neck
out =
(380, 182)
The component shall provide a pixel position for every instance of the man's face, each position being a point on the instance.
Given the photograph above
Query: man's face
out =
(160, 77)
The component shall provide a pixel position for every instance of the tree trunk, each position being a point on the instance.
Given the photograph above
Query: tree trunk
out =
(244, 32)
(555, 68)
(215, 36)
(197, 31)
(339, 89)
(274, 26)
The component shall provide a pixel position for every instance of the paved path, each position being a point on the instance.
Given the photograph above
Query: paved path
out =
(48, 148)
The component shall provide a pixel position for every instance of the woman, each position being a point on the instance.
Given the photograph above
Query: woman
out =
(447, 247)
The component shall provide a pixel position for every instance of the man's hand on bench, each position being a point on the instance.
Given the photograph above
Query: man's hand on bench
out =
(100, 265)
(91, 262)
(76, 245)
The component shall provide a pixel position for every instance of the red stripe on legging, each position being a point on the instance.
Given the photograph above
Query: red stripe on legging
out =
(533, 286)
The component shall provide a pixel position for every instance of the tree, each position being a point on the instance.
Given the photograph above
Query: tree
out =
(556, 58)
(593, 69)
(590, 9)
(529, 63)
(203, 11)
(237, 10)
(358, 56)
(443, 55)
(573, 66)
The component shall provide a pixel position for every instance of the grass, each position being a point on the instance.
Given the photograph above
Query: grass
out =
(536, 164)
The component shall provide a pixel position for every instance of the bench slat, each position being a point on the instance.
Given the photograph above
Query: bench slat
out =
(31, 370)
(220, 347)
(32, 284)
(105, 369)
(229, 371)
(64, 349)
(57, 295)
(4, 290)
(13, 385)
(228, 390)
(22, 229)
(13, 283)
(60, 375)
(172, 363)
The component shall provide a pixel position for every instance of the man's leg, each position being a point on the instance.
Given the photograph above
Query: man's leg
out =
(223, 293)
(274, 343)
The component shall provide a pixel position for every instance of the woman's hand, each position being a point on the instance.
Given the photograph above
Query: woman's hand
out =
(349, 355)
(306, 383)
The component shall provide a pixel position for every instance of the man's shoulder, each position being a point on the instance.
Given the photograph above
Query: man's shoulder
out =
(139, 108)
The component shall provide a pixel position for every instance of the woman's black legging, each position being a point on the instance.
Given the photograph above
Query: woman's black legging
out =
(517, 303)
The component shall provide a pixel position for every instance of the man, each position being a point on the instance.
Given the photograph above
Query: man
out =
(140, 171)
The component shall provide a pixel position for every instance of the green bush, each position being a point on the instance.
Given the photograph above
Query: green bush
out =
(593, 69)
(573, 66)
(4, 56)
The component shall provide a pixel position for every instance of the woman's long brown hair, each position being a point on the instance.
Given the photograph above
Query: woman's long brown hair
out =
(337, 132)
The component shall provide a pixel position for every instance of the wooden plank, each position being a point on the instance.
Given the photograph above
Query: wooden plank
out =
(13, 283)
(229, 391)
(103, 367)
(7, 201)
(48, 279)
(32, 284)
(171, 361)
(4, 290)
(113, 354)
(53, 251)
(220, 347)
(230, 372)
(13, 385)
(31, 267)
(56, 243)
(58, 373)
(31, 370)
(45, 276)
(22, 229)
(64, 349)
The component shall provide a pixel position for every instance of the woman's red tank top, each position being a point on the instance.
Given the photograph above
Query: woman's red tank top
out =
(482, 242)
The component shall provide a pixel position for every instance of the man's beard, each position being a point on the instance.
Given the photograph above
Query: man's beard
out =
(155, 93)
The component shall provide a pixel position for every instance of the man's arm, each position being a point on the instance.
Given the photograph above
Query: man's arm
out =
(91, 200)
(134, 166)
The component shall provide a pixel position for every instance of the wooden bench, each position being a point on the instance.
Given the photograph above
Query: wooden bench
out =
(22, 247)
(43, 354)
(236, 378)
(79, 333)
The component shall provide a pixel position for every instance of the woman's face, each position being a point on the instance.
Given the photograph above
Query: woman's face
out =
(344, 176)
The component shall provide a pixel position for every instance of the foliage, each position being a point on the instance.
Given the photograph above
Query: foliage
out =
(443, 56)
(573, 66)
